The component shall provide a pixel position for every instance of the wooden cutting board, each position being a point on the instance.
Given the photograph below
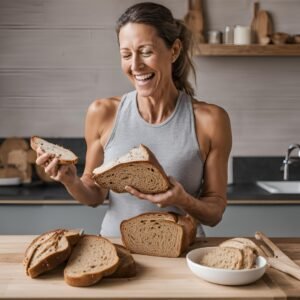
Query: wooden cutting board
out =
(261, 25)
(157, 278)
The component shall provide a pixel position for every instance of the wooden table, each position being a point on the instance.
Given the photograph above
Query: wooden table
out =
(158, 278)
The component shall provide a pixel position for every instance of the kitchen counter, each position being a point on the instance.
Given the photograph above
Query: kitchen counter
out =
(55, 193)
(157, 278)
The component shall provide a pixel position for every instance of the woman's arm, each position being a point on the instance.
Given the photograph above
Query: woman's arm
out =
(99, 118)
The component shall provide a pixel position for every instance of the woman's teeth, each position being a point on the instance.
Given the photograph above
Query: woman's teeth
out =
(144, 77)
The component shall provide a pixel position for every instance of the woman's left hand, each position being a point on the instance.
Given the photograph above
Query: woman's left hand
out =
(173, 196)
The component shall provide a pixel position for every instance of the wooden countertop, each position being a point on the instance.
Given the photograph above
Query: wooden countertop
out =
(157, 278)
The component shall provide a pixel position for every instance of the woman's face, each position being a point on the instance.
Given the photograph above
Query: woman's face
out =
(145, 59)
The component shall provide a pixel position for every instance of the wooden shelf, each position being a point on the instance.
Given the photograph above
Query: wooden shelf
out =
(248, 50)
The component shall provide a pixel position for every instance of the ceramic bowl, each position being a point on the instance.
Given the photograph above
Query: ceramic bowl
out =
(224, 276)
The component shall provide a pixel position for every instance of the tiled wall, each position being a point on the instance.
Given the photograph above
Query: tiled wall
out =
(56, 56)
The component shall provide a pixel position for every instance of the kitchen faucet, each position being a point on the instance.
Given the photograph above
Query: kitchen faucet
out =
(288, 161)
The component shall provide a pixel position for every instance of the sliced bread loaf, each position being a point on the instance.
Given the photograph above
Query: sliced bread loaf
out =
(65, 156)
(223, 258)
(138, 168)
(157, 234)
(34, 249)
(92, 258)
(46, 253)
(127, 266)
(249, 256)
(250, 244)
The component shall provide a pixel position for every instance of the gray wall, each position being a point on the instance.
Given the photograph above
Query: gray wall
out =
(57, 56)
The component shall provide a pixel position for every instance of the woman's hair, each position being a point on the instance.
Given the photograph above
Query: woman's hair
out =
(169, 29)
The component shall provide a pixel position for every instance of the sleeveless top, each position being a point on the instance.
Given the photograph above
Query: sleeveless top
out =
(174, 143)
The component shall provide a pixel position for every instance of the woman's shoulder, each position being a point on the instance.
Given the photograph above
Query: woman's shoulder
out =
(104, 107)
(208, 111)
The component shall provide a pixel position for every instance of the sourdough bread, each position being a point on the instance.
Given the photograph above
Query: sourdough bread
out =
(64, 156)
(223, 258)
(47, 254)
(250, 244)
(249, 256)
(31, 252)
(157, 234)
(127, 266)
(138, 168)
(92, 258)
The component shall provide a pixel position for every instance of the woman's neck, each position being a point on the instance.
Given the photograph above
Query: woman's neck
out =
(157, 108)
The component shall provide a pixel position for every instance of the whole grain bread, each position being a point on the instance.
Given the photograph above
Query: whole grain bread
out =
(138, 168)
(223, 258)
(65, 156)
(158, 234)
(92, 258)
(32, 252)
(249, 255)
(250, 244)
(47, 253)
(127, 265)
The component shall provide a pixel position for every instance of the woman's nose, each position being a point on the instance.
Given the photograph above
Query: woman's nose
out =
(137, 64)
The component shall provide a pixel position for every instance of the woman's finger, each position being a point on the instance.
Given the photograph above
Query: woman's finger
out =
(52, 167)
(44, 158)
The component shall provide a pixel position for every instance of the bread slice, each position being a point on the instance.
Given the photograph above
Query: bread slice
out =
(65, 156)
(46, 253)
(250, 244)
(223, 258)
(72, 236)
(249, 256)
(127, 266)
(92, 258)
(156, 234)
(138, 168)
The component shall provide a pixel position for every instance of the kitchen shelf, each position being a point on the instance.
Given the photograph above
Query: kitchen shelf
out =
(248, 50)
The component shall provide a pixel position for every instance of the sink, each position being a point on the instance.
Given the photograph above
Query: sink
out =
(280, 187)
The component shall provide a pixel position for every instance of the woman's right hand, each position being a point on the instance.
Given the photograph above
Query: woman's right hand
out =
(66, 174)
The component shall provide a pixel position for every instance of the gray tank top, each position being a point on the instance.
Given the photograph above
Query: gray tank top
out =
(174, 143)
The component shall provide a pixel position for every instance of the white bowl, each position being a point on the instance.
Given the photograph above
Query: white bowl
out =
(10, 181)
(224, 276)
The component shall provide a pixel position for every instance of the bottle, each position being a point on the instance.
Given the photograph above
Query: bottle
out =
(214, 37)
(228, 35)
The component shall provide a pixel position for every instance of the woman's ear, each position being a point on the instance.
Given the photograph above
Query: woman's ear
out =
(176, 49)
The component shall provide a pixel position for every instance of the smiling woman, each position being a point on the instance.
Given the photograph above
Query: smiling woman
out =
(190, 138)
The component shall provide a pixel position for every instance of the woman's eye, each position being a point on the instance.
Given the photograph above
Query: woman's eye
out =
(126, 56)
(146, 54)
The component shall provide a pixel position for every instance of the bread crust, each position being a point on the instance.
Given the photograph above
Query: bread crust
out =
(127, 265)
(35, 143)
(71, 235)
(52, 260)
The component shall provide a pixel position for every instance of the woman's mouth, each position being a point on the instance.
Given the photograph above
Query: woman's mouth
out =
(144, 78)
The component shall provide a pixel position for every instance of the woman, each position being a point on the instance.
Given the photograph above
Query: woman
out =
(190, 138)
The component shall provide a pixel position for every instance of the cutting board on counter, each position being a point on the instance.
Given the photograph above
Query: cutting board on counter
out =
(157, 278)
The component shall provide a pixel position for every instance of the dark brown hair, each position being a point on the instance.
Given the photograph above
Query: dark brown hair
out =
(169, 29)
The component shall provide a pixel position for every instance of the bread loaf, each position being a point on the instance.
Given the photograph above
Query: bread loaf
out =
(46, 253)
(92, 258)
(223, 258)
(158, 234)
(139, 168)
(64, 156)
